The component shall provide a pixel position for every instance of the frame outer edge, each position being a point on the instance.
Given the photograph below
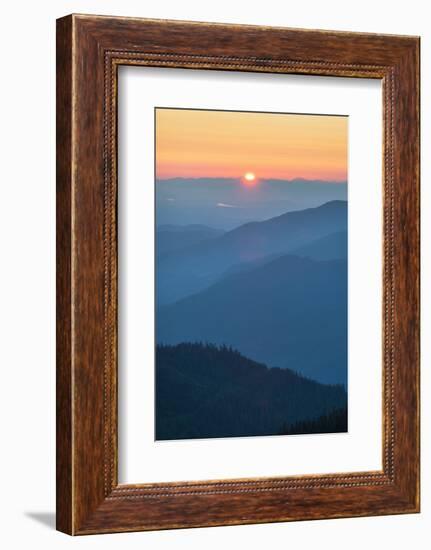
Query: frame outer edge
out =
(64, 367)
(407, 279)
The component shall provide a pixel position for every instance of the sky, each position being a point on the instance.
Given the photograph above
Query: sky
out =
(251, 146)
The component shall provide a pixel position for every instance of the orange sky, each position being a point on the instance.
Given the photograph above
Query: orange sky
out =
(198, 143)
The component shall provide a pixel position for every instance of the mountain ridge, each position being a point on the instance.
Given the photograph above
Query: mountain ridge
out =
(190, 270)
(201, 200)
(276, 313)
(203, 390)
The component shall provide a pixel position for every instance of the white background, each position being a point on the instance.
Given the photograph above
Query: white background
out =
(141, 458)
(27, 230)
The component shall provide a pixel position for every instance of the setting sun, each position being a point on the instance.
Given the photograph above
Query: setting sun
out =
(249, 177)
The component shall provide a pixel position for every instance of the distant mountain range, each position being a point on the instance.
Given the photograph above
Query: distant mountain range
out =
(330, 247)
(208, 391)
(191, 269)
(275, 290)
(172, 238)
(225, 203)
(192, 228)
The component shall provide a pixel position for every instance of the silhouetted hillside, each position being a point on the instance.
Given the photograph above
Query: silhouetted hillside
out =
(289, 313)
(207, 391)
(334, 421)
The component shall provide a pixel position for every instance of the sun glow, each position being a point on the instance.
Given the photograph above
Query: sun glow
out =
(249, 177)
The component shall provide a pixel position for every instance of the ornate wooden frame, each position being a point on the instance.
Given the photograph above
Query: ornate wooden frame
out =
(89, 51)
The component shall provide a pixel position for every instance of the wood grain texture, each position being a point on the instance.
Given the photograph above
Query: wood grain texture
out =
(64, 495)
(90, 49)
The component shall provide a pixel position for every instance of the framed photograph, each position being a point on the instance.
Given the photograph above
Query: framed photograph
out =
(237, 274)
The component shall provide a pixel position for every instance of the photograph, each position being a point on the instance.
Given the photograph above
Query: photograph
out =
(251, 278)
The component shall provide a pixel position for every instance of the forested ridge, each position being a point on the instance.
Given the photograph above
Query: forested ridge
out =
(204, 390)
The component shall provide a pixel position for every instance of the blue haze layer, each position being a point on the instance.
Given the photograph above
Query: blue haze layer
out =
(275, 289)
